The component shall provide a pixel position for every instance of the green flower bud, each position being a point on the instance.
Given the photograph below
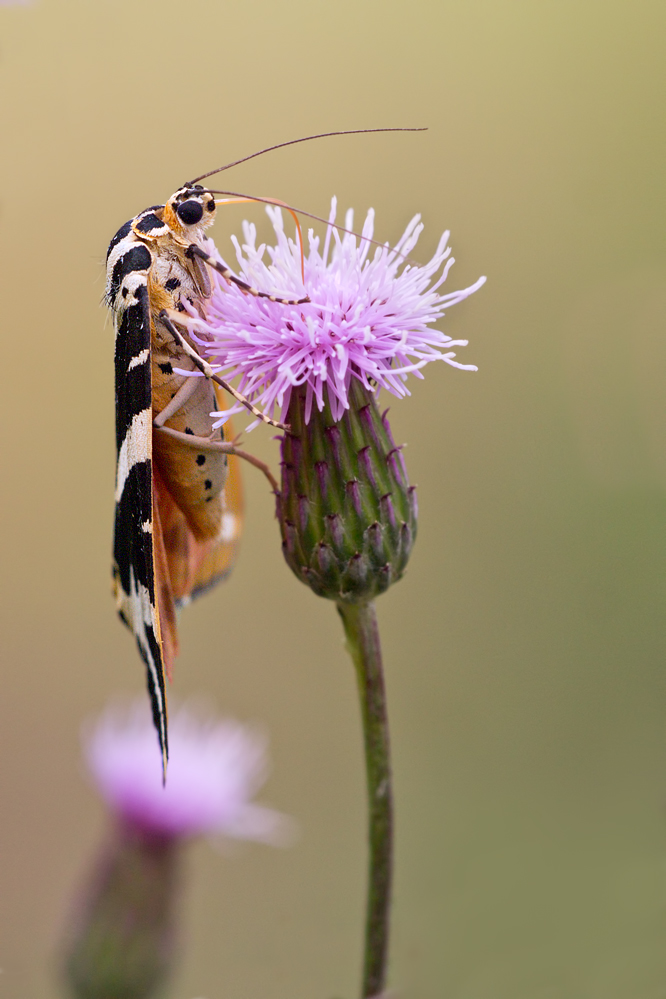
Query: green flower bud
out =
(347, 512)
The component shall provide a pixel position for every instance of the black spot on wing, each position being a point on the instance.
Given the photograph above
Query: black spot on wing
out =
(201, 459)
(132, 546)
(137, 258)
(133, 385)
(122, 232)
(150, 223)
(166, 368)
(172, 284)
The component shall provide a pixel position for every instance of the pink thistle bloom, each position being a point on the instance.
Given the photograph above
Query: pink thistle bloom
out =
(215, 768)
(369, 317)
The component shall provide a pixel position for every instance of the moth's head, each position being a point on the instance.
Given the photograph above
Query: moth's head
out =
(189, 209)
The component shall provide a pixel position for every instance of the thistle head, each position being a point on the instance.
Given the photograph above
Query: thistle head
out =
(121, 941)
(347, 512)
(216, 767)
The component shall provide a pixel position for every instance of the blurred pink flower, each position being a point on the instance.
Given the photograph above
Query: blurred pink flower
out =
(215, 768)
(369, 316)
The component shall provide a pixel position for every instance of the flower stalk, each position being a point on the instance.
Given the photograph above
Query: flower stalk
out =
(348, 517)
(362, 633)
(346, 509)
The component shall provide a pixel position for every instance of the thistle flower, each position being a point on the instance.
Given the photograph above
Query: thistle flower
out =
(369, 317)
(122, 941)
(214, 770)
(347, 512)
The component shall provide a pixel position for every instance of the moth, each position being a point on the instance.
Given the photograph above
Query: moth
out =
(178, 499)
(178, 504)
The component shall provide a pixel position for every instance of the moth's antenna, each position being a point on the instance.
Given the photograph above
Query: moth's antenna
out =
(301, 211)
(293, 142)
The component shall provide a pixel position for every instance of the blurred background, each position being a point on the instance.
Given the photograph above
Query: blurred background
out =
(525, 647)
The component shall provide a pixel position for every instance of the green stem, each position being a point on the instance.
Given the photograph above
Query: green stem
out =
(360, 623)
(122, 941)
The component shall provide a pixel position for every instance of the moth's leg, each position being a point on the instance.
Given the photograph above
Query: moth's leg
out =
(167, 318)
(185, 392)
(200, 443)
(205, 444)
(194, 250)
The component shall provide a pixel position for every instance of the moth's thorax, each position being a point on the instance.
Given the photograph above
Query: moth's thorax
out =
(166, 231)
(176, 276)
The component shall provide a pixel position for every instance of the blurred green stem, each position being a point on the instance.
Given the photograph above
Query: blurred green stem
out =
(360, 623)
(122, 941)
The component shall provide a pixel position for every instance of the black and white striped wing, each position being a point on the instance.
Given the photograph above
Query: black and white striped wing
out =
(129, 264)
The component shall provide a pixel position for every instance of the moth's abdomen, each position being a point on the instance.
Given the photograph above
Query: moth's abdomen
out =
(193, 477)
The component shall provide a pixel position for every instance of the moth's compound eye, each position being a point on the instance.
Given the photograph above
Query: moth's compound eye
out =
(190, 212)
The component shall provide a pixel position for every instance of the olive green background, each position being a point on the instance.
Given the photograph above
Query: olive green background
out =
(524, 649)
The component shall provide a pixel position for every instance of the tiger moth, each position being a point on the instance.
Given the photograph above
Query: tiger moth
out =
(178, 498)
